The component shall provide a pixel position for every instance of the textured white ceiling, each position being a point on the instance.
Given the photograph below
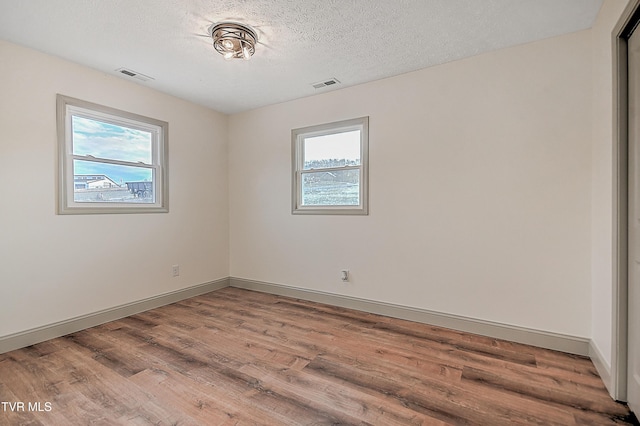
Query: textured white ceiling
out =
(301, 41)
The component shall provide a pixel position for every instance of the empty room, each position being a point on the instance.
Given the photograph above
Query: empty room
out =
(319, 212)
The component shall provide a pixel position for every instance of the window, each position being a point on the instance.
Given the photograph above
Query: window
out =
(330, 170)
(111, 161)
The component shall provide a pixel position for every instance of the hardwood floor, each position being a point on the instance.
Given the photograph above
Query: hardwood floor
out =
(239, 357)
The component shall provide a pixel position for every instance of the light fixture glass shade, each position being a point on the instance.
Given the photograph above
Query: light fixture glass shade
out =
(233, 40)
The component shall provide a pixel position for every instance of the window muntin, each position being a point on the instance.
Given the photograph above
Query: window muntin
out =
(111, 161)
(330, 168)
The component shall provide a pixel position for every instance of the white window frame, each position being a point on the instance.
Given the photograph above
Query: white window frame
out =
(67, 107)
(298, 137)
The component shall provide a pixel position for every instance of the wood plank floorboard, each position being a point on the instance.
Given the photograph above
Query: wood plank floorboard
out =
(237, 357)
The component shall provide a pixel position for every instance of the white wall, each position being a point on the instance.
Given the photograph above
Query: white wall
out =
(480, 190)
(490, 193)
(54, 267)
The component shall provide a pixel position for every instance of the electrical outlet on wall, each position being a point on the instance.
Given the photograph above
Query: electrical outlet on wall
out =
(175, 270)
(344, 275)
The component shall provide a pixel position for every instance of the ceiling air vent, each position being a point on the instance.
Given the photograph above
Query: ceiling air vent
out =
(134, 74)
(326, 83)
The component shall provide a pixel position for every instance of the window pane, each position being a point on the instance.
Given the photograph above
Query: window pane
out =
(114, 142)
(335, 150)
(335, 188)
(330, 168)
(95, 182)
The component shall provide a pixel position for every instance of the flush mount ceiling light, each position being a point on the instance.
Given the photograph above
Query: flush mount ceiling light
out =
(233, 40)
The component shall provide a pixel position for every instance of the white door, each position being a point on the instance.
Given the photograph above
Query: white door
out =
(633, 360)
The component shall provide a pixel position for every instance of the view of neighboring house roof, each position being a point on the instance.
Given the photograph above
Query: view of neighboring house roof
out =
(93, 178)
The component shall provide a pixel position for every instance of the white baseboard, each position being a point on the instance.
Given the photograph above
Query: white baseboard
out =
(61, 328)
(555, 341)
(543, 339)
(603, 368)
